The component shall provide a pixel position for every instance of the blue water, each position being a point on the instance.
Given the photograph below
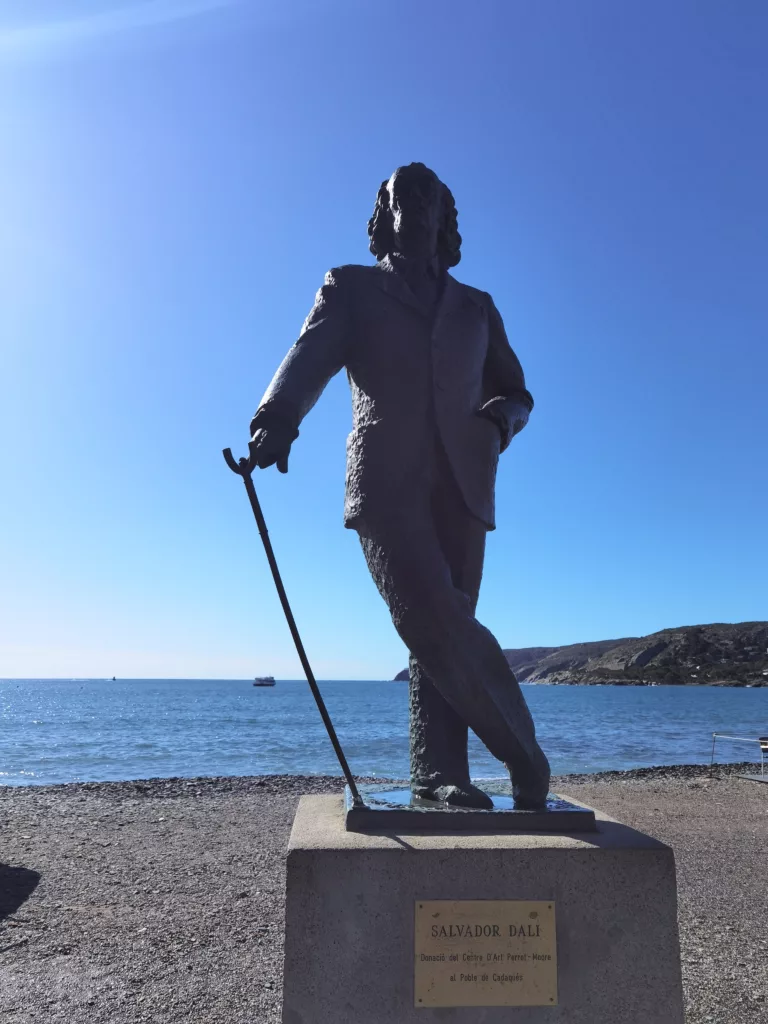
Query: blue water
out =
(94, 730)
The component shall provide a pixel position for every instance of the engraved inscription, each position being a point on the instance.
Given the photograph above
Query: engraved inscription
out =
(485, 953)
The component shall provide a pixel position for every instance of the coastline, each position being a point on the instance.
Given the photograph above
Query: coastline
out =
(759, 685)
(211, 785)
(162, 899)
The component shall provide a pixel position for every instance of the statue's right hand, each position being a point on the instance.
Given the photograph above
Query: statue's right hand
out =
(270, 447)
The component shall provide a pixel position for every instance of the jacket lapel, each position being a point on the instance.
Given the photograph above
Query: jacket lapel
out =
(394, 284)
(447, 303)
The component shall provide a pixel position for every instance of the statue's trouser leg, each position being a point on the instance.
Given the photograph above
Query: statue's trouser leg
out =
(436, 621)
(438, 733)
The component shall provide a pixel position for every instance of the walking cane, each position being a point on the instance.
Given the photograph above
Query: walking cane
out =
(244, 469)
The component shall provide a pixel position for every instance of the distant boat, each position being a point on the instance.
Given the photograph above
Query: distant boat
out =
(113, 679)
(264, 681)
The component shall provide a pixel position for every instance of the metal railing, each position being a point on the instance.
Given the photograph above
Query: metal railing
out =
(762, 742)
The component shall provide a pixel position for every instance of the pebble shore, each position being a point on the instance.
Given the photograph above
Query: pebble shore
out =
(162, 900)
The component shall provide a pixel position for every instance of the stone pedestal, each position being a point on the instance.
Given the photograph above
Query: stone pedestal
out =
(352, 916)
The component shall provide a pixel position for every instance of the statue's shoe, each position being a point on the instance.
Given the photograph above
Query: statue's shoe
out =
(466, 795)
(530, 803)
(530, 789)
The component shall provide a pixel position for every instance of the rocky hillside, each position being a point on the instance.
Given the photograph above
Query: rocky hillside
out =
(720, 654)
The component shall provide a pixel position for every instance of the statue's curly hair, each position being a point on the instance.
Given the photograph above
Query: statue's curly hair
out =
(381, 235)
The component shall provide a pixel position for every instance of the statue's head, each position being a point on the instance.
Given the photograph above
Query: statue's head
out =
(415, 215)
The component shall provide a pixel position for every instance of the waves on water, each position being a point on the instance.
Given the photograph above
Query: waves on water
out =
(65, 730)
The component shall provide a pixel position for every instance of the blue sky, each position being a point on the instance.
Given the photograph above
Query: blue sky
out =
(176, 178)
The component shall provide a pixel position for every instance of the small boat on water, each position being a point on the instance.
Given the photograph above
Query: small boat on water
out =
(264, 681)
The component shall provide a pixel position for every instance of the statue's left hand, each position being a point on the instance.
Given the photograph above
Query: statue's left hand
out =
(496, 416)
(509, 415)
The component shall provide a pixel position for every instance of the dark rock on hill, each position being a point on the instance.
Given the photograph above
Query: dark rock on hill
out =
(720, 654)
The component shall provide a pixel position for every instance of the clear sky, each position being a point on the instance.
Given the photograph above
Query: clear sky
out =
(177, 176)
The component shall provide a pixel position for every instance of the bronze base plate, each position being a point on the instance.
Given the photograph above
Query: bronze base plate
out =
(395, 809)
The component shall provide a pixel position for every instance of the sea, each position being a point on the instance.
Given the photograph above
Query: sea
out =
(93, 730)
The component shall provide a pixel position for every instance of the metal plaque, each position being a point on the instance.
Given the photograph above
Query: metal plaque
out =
(485, 953)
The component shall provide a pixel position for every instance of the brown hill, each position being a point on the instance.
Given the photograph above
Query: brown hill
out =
(724, 654)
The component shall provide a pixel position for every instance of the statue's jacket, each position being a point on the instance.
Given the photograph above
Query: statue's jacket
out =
(416, 375)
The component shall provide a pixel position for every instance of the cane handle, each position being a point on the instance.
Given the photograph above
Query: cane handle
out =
(242, 468)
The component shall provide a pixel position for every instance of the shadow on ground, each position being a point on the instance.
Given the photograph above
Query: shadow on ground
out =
(16, 886)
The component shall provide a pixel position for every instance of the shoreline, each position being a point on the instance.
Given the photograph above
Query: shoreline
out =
(178, 785)
(162, 900)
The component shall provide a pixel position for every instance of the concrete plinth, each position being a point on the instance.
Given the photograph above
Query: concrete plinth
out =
(350, 953)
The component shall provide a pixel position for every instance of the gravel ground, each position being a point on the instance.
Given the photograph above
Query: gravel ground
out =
(162, 900)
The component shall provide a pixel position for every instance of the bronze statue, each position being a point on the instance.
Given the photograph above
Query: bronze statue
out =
(437, 394)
